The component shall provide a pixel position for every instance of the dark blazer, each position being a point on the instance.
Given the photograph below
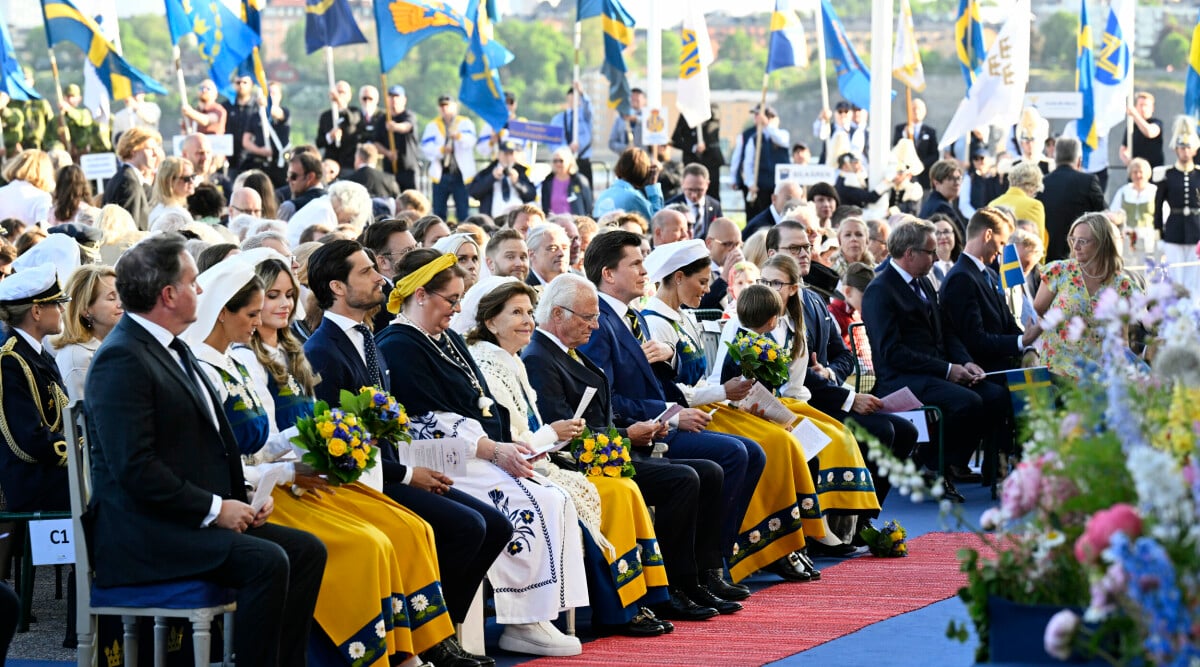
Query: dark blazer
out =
(157, 460)
(481, 188)
(926, 143)
(764, 220)
(907, 337)
(377, 183)
(936, 203)
(716, 294)
(637, 394)
(979, 315)
(709, 211)
(125, 189)
(40, 484)
(1068, 194)
(579, 195)
(560, 382)
(336, 360)
(851, 195)
(351, 122)
(824, 339)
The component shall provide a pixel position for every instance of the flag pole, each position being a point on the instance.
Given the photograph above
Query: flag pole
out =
(908, 111)
(1129, 103)
(190, 126)
(574, 138)
(821, 55)
(387, 118)
(333, 109)
(62, 111)
(762, 109)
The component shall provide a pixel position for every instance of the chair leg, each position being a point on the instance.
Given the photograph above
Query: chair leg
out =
(571, 621)
(227, 660)
(201, 639)
(26, 585)
(160, 641)
(131, 640)
(85, 650)
(58, 572)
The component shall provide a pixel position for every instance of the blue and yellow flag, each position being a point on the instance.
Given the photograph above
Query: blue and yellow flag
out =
(1011, 274)
(330, 23)
(223, 39)
(253, 66)
(618, 34)
(12, 79)
(1085, 76)
(65, 23)
(968, 40)
(1026, 383)
(480, 89)
(402, 24)
(787, 47)
(1191, 96)
(854, 79)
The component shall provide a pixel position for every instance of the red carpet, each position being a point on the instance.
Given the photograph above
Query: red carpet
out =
(785, 619)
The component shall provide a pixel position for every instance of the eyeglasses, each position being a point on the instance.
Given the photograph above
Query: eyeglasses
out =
(190, 178)
(931, 253)
(953, 179)
(396, 254)
(944, 232)
(256, 212)
(773, 284)
(729, 245)
(1079, 242)
(694, 191)
(558, 161)
(805, 248)
(294, 176)
(453, 303)
(586, 318)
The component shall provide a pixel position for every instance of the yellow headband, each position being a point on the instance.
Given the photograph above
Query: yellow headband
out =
(409, 284)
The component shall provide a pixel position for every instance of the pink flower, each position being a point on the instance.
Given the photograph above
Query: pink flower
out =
(1021, 490)
(1101, 527)
(1059, 633)
(1198, 250)
(1070, 426)
(992, 519)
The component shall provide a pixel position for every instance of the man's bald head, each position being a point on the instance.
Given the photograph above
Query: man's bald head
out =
(247, 201)
(197, 149)
(786, 191)
(668, 226)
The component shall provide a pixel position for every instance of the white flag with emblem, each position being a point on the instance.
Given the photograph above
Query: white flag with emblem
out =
(907, 59)
(95, 94)
(694, 98)
(1113, 83)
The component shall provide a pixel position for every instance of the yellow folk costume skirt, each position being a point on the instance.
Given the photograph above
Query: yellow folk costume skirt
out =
(784, 507)
(637, 562)
(381, 595)
(843, 482)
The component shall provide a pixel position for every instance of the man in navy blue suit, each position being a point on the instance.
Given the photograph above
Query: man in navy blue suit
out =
(911, 347)
(702, 208)
(623, 348)
(469, 533)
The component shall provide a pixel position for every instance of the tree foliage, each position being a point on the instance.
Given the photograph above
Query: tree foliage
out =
(1060, 31)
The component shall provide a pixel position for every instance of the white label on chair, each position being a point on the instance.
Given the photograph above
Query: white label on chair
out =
(918, 419)
(53, 542)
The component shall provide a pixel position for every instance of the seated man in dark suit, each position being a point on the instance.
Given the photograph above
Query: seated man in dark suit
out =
(469, 534)
(702, 209)
(139, 151)
(724, 244)
(684, 493)
(169, 501)
(973, 303)
(911, 347)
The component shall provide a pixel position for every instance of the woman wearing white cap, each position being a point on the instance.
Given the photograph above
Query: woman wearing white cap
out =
(774, 525)
(33, 473)
(1177, 206)
(387, 548)
(611, 508)
(466, 249)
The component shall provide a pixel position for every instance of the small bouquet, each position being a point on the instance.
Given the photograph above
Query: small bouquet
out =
(379, 413)
(602, 454)
(888, 542)
(760, 358)
(336, 444)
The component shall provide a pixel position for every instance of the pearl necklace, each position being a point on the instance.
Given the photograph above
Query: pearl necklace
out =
(484, 403)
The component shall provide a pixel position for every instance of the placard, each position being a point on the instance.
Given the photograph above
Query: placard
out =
(654, 128)
(811, 438)
(918, 419)
(1065, 104)
(445, 455)
(540, 132)
(98, 166)
(222, 144)
(53, 541)
(805, 174)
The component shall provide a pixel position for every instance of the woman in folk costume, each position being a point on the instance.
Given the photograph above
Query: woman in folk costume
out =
(541, 572)
(611, 508)
(380, 602)
(1177, 206)
(784, 506)
(844, 485)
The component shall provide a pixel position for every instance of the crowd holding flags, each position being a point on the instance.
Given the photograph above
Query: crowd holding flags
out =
(222, 38)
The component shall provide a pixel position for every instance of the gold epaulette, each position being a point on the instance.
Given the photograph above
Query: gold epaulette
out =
(57, 401)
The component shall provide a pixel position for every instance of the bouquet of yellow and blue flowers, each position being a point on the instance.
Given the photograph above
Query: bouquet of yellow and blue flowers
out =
(887, 542)
(336, 444)
(760, 358)
(602, 454)
(379, 413)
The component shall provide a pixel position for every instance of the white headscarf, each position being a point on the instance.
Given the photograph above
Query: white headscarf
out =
(452, 243)
(464, 320)
(218, 284)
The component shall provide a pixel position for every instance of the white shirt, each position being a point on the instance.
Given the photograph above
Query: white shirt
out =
(908, 278)
(33, 342)
(347, 326)
(23, 201)
(164, 338)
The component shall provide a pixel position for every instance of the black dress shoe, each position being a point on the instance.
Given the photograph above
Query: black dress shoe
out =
(714, 581)
(702, 596)
(667, 626)
(802, 558)
(963, 474)
(448, 653)
(642, 625)
(951, 492)
(681, 608)
(789, 569)
(822, 550)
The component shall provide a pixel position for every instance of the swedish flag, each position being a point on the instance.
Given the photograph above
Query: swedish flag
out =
(330, 23)
(12, 79)
(1025, 383)
(253, 66)
(968, 40)
(480, 89)
(854, 79)
(1191, 98)
(65, 23)
(1011, 274)
(618, 34)
(1085, 76)
(787, 47)
(402, 24)
(224, 40)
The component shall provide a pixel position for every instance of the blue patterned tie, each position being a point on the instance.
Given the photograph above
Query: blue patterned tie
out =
(371, 355)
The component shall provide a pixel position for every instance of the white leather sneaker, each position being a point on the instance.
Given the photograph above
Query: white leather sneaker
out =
(539, 639)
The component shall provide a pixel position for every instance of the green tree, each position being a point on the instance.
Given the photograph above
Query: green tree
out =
(1172, 51)
(1061, 32)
